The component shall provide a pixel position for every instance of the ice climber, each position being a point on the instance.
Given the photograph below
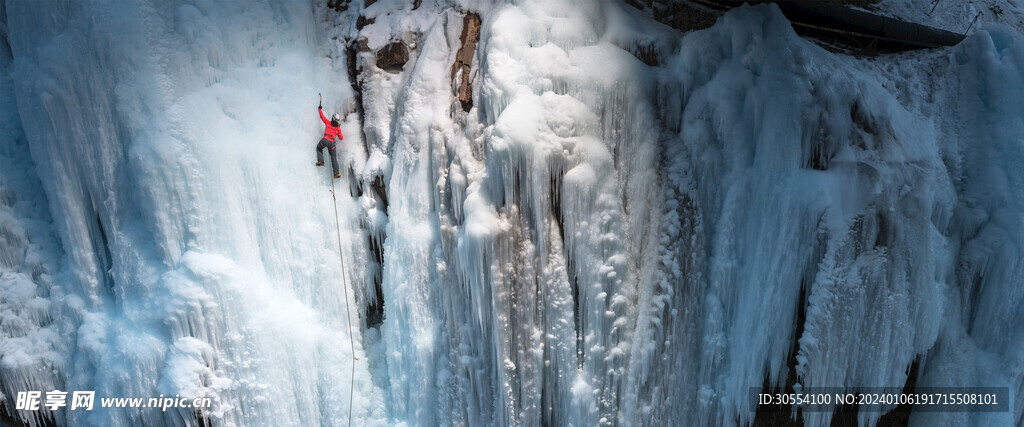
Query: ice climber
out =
(332, 129)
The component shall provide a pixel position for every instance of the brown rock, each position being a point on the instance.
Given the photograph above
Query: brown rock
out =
(393, 56)
(362, 21)
(464, 59)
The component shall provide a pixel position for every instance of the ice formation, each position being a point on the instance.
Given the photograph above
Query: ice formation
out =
(629, 226)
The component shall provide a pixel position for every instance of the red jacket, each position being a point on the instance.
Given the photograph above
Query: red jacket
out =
(330, 131)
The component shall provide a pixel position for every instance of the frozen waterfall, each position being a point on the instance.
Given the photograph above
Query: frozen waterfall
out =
(553, 212)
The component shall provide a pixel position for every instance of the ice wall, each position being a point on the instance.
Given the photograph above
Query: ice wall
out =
(634, 227)
(34, 346)
(173, 142)
(629, 226)
(804, 179)
(982, 144)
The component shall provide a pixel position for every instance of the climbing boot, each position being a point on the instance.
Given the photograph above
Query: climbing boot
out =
(337, 175)
(319, 163)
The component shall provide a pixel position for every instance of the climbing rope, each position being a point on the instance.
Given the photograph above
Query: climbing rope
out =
(348, 315)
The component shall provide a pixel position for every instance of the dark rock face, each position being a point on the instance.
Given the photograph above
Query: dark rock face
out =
(393, 56)
(689, 15)
(681, 15)
(858, 3)
(338, 5)
(464, 59)
(362, 21)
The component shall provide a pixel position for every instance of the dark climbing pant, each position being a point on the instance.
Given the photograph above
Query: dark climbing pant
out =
(329, 145)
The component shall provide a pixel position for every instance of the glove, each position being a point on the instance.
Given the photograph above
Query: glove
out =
(320, 107)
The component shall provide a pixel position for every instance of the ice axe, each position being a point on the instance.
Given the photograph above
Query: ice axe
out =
(321, 100)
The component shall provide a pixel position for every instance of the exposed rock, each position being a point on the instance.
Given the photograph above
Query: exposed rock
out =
(338, 5)
(689, 15)
(381, 188)
(393, 56)
(646, 53)
(681, 15)
(833, 22)
(355, 58)
(362, 21)
(464, 59)
(859, 3)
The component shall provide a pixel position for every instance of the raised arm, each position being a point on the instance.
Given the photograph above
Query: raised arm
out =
(322, 117)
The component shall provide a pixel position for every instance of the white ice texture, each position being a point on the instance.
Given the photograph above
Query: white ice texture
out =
(631, 226)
